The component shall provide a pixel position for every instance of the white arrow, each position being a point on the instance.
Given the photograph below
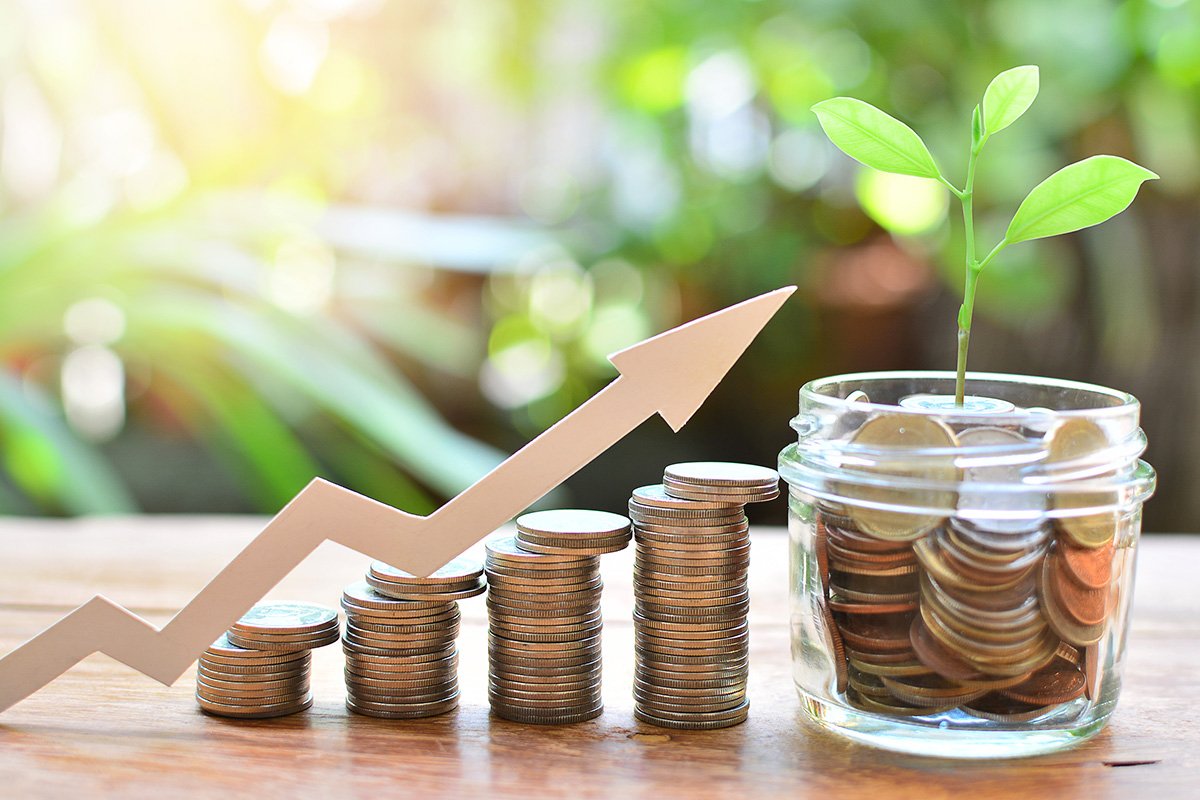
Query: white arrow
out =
(670, 374)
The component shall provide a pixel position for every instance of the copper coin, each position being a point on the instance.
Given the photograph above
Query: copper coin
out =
(875, 633)
(1085, 606)
(846, 606)
(1058, 682)
(1090, 567)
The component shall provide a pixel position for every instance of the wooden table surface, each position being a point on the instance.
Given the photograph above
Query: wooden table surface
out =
(103, 730)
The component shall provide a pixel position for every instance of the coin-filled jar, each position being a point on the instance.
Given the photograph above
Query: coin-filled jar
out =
(961, 576)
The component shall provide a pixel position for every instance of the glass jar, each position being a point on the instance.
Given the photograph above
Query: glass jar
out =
(961, 576)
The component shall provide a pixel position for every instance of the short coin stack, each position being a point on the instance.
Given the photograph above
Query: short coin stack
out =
(400, 640)
(260, 668)
(691, 593)
(544, 633)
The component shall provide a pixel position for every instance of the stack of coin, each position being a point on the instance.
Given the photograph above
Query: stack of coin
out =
(691, 593)
(401, 656)
(260, 668)
(544, 622)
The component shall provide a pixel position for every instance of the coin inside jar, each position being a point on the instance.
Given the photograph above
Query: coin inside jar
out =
(901, 433)
(1075, 445)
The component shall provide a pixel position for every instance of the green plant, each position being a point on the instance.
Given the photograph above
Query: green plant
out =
(1078, 196)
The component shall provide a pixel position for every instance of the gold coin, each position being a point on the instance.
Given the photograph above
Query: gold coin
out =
(1075, 440)
(902, 432)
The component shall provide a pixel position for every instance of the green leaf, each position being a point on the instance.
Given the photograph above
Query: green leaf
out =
(1078, 196)
(874, 138)
(1008, 96)
(48, 462)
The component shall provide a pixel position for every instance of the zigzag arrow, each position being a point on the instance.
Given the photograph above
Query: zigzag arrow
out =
(670, 374)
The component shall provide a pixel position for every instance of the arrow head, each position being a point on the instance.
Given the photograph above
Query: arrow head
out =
(679, 368)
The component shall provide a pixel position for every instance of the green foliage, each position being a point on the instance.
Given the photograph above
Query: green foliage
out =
(874, 138)
(1007, 97)
(1078, 196)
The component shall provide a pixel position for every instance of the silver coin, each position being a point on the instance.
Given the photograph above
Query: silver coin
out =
(527, 717)
(286, 618)
(654, 704)
(361, 594)
(374, 624)
(402, 591)
(250, 674)
(536, 588)
(258, 643)
(549, 575)
(459, 571)
(570, 522)
(504, 550)
(221, 684)
(692, 725)
(215, 696)
(589, 546)
(508, 663)
(683, 509)
(431, 694)
(721, 473)
(701, 683)
(401, 711)
(261, 712)
(656, 496)
(223, 650)
(690, 493)
(234, 635)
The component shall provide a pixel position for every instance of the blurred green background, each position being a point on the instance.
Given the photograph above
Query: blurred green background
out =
(245, 243)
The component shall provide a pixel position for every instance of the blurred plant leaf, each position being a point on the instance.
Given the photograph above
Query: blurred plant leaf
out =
(336, 371)
(48, 462)
(273, 463)
(1078, 196)
(879, 140)
(1008, 96)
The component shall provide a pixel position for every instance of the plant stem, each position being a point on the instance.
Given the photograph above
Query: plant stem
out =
(967, 197)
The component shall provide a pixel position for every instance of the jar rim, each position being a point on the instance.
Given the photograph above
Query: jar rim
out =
(1018, 476)
(1116, 403)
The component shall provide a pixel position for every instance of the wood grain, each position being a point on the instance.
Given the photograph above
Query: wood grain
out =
(102, 730)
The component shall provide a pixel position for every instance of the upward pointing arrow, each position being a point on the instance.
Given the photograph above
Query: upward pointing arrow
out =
(670, 374)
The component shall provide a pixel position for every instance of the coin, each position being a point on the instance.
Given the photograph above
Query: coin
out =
(690, 492)
(721, 473)
(460, 572)
(571, 522)
(254, 712)
(896, 432)
(505, 550)
(402, 710)
(541, 717)
(544, 638)
(286, 618)
(656, 497)
(400, 639)
(1090, 567)
(260, 643)
(589, 546)
(1078, 445)
(695, 720)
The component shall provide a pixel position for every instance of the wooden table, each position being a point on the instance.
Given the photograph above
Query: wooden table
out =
(102, 729)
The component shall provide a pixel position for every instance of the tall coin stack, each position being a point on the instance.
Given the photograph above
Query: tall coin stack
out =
(544, 632)
(400, 640)
(261, 667)
(691, 593)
